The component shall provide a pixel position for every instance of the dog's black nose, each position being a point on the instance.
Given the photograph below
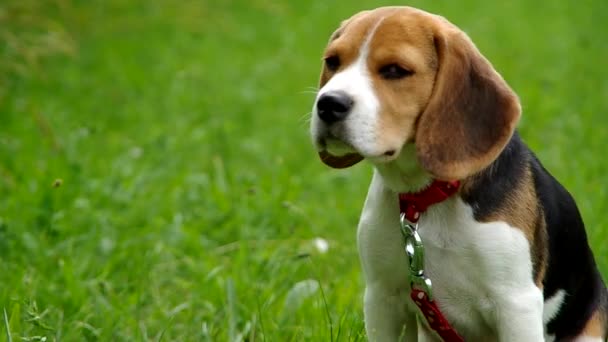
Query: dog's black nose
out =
(334, 106)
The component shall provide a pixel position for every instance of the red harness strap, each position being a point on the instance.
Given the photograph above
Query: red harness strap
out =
(434, 317)
(412, 205)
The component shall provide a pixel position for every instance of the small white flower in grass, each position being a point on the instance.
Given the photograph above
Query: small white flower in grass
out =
(106, 245)
(321, 245)
(81, 203)
(136, 152)
(299, 292)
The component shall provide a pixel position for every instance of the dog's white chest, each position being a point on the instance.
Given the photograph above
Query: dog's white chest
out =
(461, 271)
(474, 266)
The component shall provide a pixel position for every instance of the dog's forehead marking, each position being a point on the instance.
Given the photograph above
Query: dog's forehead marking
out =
(356, 33)
(352, 45)
(382, 31)
(355, 71)
(364, 49)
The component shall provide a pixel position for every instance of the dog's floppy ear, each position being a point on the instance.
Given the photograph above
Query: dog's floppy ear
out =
(472, 112)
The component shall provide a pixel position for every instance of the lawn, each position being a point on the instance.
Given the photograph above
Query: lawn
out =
(157, 181)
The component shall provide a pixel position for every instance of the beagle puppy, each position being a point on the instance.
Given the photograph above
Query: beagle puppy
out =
(507, 254)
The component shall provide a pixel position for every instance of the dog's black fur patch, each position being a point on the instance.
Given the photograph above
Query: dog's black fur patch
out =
(570, 263)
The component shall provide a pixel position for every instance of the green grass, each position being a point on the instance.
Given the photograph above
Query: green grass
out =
(190, 194)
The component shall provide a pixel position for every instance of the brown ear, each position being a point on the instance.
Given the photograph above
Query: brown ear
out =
(472, 112)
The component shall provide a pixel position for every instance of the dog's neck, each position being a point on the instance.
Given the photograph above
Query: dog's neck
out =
(404, 174)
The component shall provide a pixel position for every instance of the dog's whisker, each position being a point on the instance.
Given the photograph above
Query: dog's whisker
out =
(305, 118)
(310, 90)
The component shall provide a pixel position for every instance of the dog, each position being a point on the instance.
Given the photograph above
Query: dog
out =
(506, 255)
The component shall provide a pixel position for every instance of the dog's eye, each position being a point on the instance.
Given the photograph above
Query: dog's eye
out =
(332, 62)
(394, 72)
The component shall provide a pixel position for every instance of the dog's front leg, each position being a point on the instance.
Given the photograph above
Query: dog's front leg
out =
(520, 316)
(386, 316)
(385, 267)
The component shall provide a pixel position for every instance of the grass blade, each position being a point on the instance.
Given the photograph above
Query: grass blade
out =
(9, 338)
(231, 310)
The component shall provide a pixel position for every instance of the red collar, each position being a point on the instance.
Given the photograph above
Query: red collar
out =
(414, 204)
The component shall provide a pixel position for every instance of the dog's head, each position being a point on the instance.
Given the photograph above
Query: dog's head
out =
(397, 75)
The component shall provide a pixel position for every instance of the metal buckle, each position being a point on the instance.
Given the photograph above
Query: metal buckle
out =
(415, 254)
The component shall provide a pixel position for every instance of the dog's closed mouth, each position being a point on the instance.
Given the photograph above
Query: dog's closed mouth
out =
(337, 153)
(340, 162)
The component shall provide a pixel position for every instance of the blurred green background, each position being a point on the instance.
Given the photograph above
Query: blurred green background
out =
(157, 181)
